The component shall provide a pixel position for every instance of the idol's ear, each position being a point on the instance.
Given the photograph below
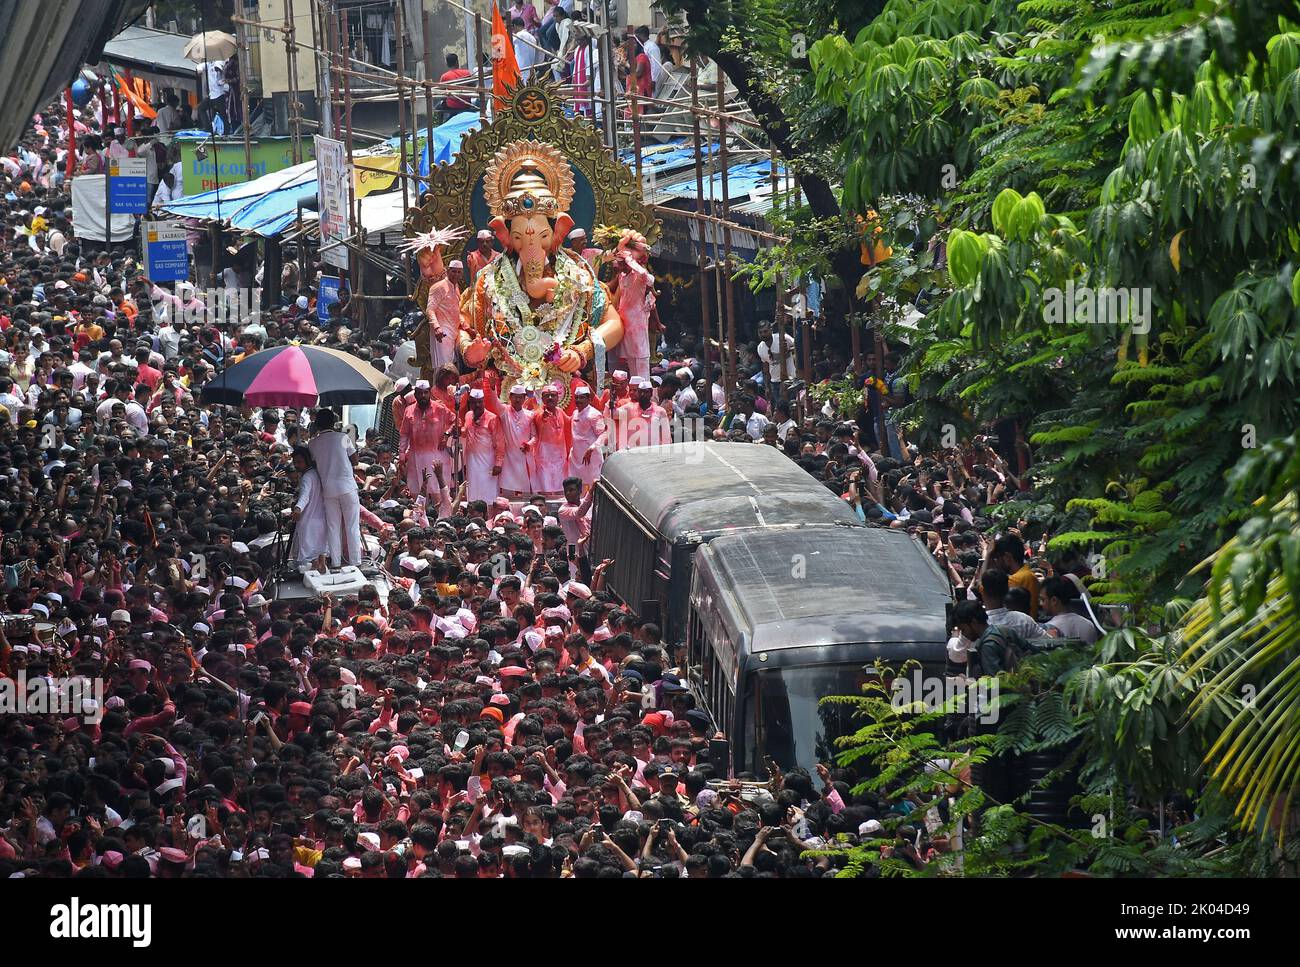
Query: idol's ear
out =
(498, 226)
(563, 226)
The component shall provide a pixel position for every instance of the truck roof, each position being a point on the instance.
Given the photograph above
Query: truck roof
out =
(820, 585)
(710, 487)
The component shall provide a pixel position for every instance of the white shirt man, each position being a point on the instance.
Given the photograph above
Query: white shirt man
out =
(656, 56)
(685, 401)
(769, 351)
(166, 193)
(1017, 621)
(217, 85)
(1072, 625)
(333, 452)
(169, 339)
(11, 403)
(166, 118)
(526, 53)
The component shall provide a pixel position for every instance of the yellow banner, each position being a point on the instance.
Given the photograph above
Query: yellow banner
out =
(367, 181)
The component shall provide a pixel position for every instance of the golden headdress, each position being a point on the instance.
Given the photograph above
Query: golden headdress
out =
(528, 177)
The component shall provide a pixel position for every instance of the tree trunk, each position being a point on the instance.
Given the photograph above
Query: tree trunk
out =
(768, 113)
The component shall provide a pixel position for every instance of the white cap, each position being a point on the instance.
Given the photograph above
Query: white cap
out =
(120, 615)
(518, 390)
(239, 547)
(483, 233)
(456, 264)
(200, 627)
(257, 601)
(401, 384)
(582, 391)
(422, 384)
(638, 381)
(619, 374)
(476, 394)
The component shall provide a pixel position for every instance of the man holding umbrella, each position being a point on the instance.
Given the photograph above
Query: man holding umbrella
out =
(333, 452)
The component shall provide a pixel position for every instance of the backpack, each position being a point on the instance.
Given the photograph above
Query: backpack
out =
(999, 650)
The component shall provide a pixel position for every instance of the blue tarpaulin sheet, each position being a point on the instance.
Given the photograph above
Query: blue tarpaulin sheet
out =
(268, 205)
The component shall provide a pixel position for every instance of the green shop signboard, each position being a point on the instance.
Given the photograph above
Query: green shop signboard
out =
(222, 163)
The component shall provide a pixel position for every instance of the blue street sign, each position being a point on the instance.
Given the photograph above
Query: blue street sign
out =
(166, 251)
(128, 186)
(326, 296)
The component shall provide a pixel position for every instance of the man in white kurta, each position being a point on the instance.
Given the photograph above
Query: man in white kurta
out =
(333, 453)
(516, 430)
(310, 539)
(484, 449)
(589, 436)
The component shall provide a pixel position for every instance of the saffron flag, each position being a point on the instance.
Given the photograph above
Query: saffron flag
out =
(137, 99)
(505, 69)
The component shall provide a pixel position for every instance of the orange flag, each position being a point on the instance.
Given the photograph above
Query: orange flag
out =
(140, 103)
(505, 69)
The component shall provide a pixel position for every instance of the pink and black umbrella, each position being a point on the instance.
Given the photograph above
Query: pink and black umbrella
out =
(298, 376)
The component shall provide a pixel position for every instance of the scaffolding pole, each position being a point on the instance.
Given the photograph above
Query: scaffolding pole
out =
(356, 275)
(699, 202)
(401, 130)
(726, 229)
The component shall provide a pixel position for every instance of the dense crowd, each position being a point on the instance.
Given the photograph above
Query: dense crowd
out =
(487, 709)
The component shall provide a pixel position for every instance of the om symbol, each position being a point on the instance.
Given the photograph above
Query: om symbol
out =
(532, 106)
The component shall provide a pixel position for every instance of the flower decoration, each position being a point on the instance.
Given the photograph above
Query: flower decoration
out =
(432, 240)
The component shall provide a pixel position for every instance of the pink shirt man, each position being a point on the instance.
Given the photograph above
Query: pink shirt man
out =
(550, 444)
(422, 441)
(444, 318)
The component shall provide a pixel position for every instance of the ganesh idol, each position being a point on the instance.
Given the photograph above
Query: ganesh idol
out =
(537, 315)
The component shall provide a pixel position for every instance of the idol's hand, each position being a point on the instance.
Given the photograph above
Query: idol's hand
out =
(570, 361)
(476, 351)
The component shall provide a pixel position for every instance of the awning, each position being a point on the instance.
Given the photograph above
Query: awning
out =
(749, 187)
(265, 206)
(154, 55)
(43, 44)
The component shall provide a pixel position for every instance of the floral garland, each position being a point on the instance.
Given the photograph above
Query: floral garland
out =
(530, 342)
